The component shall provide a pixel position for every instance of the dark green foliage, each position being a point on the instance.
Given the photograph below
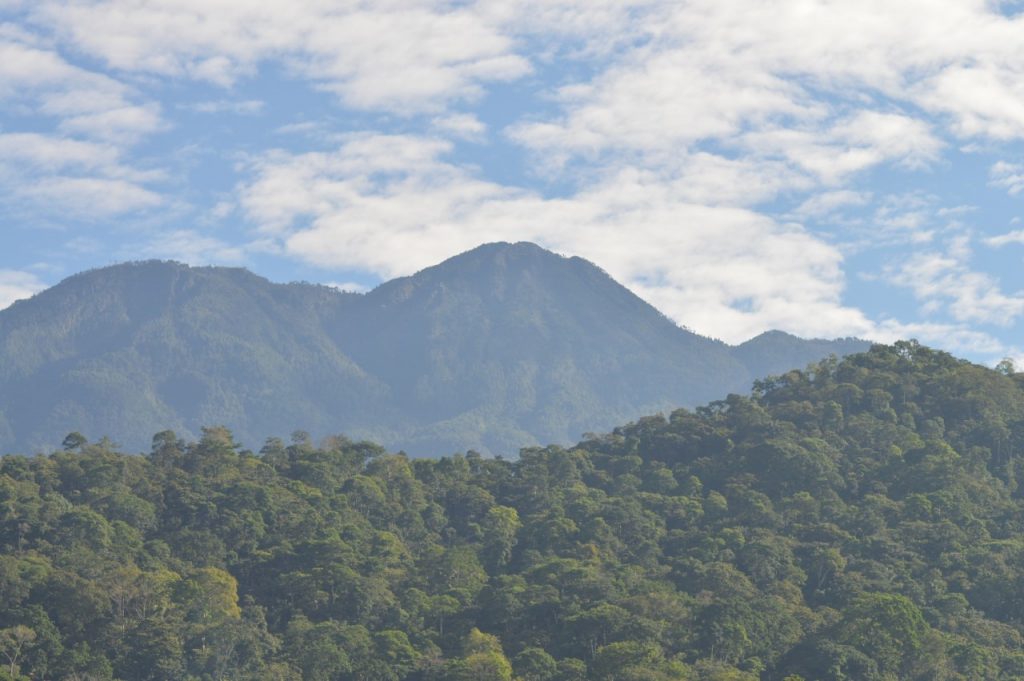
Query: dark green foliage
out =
(499, 348)
(860, 520)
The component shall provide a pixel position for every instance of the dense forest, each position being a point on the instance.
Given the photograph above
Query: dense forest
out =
(859, 520)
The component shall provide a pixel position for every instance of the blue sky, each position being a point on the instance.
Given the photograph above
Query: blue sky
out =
(826, 168)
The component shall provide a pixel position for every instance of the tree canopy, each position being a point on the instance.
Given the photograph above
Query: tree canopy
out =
(861, 519)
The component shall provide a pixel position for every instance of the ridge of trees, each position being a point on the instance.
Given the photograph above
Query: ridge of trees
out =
(861, 519)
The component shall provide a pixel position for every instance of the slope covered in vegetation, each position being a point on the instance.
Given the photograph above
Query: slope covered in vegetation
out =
(499, 348)
(859, 520)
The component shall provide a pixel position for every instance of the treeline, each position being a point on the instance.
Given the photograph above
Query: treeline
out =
(860, 520)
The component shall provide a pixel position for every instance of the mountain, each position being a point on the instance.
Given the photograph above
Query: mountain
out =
(504, 346)
(775, 352)
(120, 350)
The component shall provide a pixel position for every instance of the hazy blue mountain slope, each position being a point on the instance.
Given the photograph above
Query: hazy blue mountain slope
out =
(505, 346)
(775, 352)
(125, 349)
(518, 338)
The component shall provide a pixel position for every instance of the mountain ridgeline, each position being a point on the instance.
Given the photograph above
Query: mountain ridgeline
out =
(857, 521)
(501, 347)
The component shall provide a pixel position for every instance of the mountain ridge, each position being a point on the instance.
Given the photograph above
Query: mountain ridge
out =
(503, 346)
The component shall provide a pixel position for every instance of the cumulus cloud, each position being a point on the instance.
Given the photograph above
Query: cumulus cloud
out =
(985, 100)
(660, 101)
(865, 84)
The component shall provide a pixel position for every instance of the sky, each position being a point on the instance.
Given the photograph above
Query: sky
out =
(825, 167)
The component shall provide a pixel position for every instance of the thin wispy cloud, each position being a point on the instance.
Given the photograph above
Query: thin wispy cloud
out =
(1009, 176)
(1014, 237)
(246, 107)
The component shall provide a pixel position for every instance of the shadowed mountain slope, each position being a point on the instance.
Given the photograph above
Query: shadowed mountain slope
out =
(501, 347)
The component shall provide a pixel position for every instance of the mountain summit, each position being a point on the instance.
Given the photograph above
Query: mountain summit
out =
(504, 346)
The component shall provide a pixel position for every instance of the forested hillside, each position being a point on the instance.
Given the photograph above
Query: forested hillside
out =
(860, 520)
(502, 347)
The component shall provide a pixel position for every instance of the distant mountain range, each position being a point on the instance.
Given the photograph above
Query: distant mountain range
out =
(505, 346)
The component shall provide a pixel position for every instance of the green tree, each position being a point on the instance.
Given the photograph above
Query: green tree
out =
(14, 642)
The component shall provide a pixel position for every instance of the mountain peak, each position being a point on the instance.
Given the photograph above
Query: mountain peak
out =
(506, 248)
(771, 334)
(503, 276)
(497, 256)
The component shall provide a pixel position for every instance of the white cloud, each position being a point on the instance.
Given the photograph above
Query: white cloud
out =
(464, 126)
(1009, 176)
(56, 175)
(312, 128)
(401, 56)
(246, 107)
(897, 137)
(1014, 237)
(125, 124)
(913, 217)
(712, 179)
(662, 102)
(575, 29)
(851, 145)
(885, 222)
(50, 153)
(947, 280)
(800, 81)
(86, 102)
(984, 100)
(829, 202)
(89, 196)
(74, 162)
(15, 285)
(24, 67)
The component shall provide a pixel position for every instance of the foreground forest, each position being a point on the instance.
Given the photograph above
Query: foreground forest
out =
(860, 520)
